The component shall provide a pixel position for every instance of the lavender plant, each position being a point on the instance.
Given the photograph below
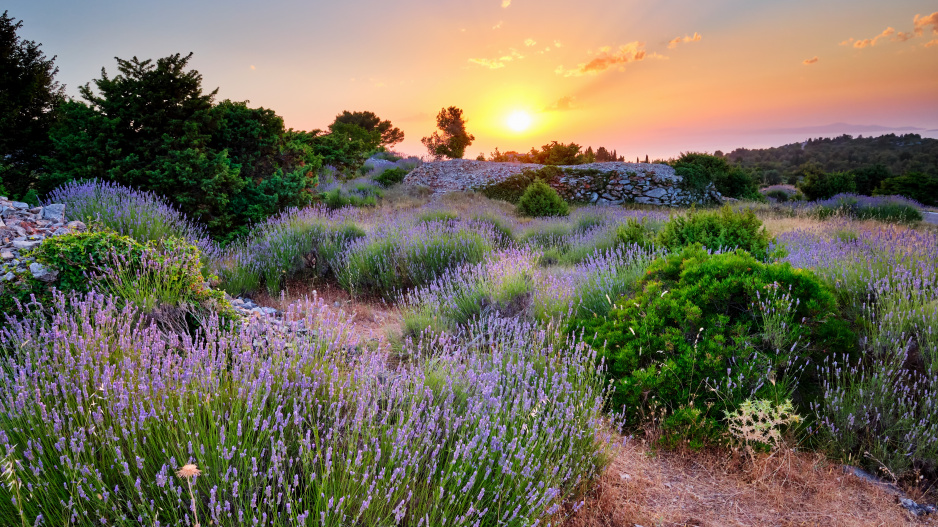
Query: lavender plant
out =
(141, 215)
(275, 427)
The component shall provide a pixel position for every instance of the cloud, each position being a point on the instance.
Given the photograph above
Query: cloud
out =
(492, 64)
(506, 3)
(607, 58)
(498, 25)
(564, 103)
(529, 42)
(252, 67)
(808, 62)
(686, 38)
(932, 43)
(558, 44)
(922, 22)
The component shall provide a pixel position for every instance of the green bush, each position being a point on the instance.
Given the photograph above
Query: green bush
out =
(641, 233)
(725, 228)
(706, 332)
(915, 185)
(338, 198)
(512, 188)
(818, 185)
(698, 170)
(391, 176)
(539, 200)
(162, 276)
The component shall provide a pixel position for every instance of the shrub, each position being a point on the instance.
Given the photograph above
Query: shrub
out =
(723, 229)
(707, 332)
(778, 195)
(338, 198)
(896, 209)
(698, 170)
(914, 185)
(539, 200)
(307, 410)
(143, 216)
(80, 256)
(638, 232)
(818, 185)
(391, 176)
(397, 258)
(511, 188)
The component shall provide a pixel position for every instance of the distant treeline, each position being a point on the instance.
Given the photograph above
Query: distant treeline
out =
(899, 154)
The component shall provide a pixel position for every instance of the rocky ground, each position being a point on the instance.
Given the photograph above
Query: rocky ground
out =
(23, 227)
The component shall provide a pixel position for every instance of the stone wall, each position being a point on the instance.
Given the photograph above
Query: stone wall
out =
(600, 183)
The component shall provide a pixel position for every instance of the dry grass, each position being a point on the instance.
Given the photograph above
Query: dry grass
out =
(722, 488)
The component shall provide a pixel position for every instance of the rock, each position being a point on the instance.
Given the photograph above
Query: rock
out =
(76, 225)
(19, 205)
(54, 212)
(7, 277)
(40, 272)
(7, 255)
(656, 193)
(25, 244)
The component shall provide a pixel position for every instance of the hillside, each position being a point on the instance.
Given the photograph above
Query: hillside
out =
(898, 153)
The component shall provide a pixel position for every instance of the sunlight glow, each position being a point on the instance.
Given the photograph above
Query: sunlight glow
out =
(518, 121)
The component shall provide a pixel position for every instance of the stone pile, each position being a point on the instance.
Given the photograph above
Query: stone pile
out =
(23, 227)
(599, 183)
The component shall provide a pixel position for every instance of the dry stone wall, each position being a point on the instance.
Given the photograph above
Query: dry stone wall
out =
(23, 227)
(599, 183)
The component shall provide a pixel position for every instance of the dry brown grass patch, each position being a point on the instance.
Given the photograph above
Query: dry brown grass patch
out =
(723, 488)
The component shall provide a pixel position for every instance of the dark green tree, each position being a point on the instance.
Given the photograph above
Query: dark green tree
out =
(556, 153)
(869, 178)
(29, 97)
(452, 139)
(151, 127)
(390, 135)
(817, 184)
(346, 147)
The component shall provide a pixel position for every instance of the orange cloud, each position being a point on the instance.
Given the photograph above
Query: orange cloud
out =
(529, 42)
(564, 103)
(607, 58)
(492, 64)
(686, 38)
(932, 43)
(807, 62)
(506, 3)
(922, 22)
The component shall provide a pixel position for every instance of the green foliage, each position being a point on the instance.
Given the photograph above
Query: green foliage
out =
(699, 170)
(152, 128)
(511, 188)
(390, 176)
(898, 154)
(452, 139)
(540, 200)
(870, 177)
(556, 153)
(80, 256)
(699, 335)
(724, 228)
(31, 197)
(818, 185)
(29, 99)
(388, 135)
(638, 232)
(915, 185)
(339, 197)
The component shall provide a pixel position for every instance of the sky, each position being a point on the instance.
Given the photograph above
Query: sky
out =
(650, 77)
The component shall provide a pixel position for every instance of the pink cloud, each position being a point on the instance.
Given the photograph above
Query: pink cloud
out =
(607, 58)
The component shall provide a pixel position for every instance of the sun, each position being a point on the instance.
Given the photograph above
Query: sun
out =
(518, 121)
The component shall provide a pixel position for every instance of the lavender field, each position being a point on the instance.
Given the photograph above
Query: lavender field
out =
(494, 403)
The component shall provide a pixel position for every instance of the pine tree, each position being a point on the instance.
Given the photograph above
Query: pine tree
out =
(29, 98)
(454, 140)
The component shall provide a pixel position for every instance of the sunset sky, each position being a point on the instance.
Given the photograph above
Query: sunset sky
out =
(652, 77)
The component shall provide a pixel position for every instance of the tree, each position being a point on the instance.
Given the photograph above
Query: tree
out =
(29, 97)
(454, 139)
(559, 154)
(817, 184)
(390, 135)
(346, 147)
(151, 127)
(731, 181)
(915, 185)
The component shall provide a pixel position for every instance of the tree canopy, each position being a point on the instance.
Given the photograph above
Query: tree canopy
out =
(29, 97)
(368, 121)
(452, 139)
(152, 127)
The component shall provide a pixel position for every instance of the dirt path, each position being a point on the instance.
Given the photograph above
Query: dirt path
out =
(709, 489)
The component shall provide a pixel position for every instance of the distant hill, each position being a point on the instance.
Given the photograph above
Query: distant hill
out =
(898, 153)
